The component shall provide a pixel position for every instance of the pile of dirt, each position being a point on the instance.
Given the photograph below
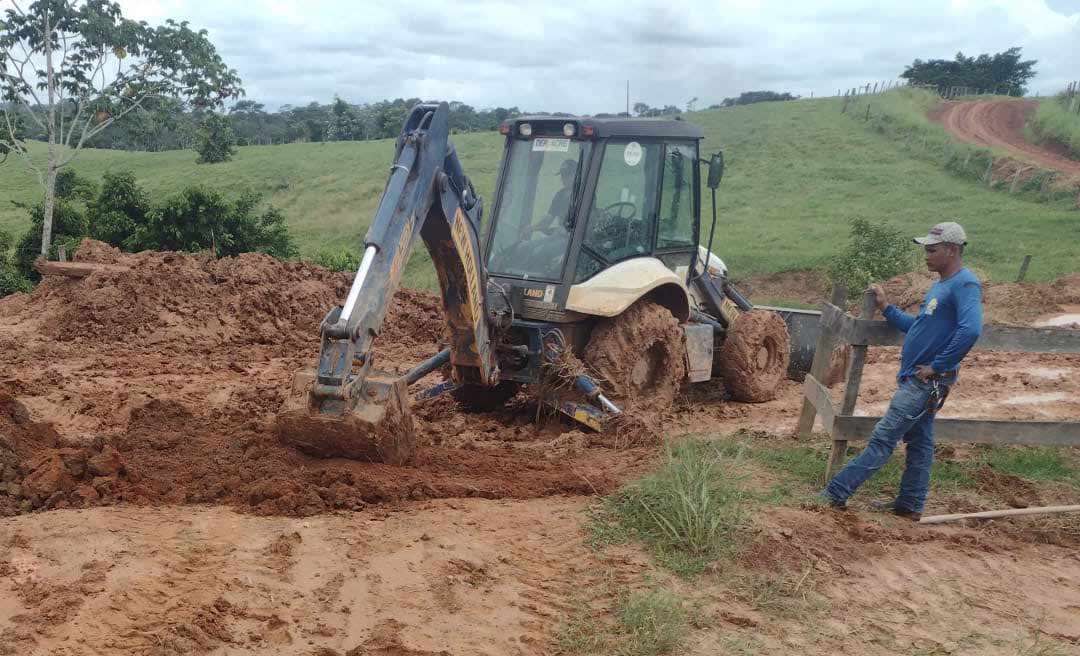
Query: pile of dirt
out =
(168, 297)
(39, 469)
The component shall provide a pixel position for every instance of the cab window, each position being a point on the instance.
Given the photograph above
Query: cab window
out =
(619, 226)
(676, 224)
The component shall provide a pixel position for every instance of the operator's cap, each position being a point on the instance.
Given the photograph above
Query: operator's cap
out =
(568, 165)
(944, 233)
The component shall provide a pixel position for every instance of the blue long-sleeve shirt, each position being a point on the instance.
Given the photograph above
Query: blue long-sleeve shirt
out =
(947, 325)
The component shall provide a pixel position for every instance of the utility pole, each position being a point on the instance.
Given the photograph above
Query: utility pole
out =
(628, 97)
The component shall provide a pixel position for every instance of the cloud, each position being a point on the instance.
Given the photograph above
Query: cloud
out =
(577, 57)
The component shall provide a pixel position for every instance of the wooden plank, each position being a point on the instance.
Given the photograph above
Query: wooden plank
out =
(994, 514)
(974, 431)
(851, 389)
(994, 338)
(818, 395)
(72, 269)
(822, 353)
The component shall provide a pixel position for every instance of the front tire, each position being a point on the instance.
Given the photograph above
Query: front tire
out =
(639, 356)
(755, 356)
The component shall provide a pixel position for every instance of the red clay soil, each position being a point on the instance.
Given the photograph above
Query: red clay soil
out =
(1000, 124)
(177, 367)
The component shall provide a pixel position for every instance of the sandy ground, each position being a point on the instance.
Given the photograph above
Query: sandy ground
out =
(138, 417)
(1000, 124)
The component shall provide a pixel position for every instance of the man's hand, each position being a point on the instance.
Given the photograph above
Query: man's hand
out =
(879, 297)
(924, 372)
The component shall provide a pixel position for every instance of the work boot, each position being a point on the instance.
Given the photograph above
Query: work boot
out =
(899, 511)
(832, 502)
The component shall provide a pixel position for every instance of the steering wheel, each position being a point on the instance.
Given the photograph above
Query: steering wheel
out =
(615, 211)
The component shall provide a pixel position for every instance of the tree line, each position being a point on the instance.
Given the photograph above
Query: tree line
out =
(171, 124)
(1006, 72)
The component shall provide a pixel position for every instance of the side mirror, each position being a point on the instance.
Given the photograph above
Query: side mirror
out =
(716, 170)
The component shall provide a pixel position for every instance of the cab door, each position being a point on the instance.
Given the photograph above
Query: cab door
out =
(678, 225)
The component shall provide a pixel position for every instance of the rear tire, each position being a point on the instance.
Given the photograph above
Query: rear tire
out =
(639, 356)
(755, 356)
(479, 398)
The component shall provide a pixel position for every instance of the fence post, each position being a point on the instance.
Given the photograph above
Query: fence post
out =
(822, 355)
(867, 111)
(1016, 179)
(987, 178)
(851, 389)
(1023, 268)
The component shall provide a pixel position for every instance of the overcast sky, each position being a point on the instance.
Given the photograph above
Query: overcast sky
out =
(555, 56)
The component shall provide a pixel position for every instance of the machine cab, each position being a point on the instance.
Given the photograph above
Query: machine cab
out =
(579, 197)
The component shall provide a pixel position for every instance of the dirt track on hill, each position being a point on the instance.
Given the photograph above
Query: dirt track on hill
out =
(139, 414)
(1000, 124)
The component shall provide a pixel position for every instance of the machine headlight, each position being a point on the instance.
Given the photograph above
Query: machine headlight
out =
(525, 130)
(568, 129)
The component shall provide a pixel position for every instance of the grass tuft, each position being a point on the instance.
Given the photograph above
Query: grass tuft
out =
(689, 512)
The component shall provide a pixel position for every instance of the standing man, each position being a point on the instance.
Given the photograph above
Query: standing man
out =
(938, 337)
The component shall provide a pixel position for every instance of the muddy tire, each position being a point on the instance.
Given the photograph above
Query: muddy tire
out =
(755, 356)
(639, 357)
(478, 398)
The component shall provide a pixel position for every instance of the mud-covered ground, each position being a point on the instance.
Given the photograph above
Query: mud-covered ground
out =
(136, 407)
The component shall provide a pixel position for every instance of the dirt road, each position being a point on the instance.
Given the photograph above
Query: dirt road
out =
(138, 416)
(1000, 124)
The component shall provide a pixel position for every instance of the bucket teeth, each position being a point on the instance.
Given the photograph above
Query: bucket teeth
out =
(378, 428)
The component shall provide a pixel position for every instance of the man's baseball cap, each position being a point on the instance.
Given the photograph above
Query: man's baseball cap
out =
(944, 233)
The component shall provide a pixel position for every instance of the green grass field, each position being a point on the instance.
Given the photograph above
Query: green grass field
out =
(798, 172)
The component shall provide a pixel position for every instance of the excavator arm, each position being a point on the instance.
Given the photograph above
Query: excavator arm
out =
(347, 407)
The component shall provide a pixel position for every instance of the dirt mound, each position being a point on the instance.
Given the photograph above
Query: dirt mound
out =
(39, 469)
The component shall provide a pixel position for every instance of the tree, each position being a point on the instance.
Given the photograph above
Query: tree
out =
(216, 141)
(76, 67)
(1003, 71)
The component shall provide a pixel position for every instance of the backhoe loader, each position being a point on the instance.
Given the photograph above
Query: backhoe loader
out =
(590, 265)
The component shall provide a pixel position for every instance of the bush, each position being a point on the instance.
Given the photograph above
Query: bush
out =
(119, 208)
(875, 252)
(199, 219)
(216, 140)
(10, 279)
(68, 229)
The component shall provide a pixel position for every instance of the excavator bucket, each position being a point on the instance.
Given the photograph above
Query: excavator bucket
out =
(376, 426)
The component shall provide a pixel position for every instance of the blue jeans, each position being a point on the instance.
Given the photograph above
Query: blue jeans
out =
(905, 419)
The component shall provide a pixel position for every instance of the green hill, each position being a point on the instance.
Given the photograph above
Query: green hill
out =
(797, 173)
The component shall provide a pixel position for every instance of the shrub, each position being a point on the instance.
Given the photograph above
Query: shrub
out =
(10, 279)
(68, 229)
(216, 140)
(875, 252)
(119, 207)
(199, 219)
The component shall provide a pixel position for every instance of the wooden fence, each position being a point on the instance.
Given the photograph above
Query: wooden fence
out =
(838, 327)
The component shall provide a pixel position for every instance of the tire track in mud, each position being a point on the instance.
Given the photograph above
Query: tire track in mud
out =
(1000, 124)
